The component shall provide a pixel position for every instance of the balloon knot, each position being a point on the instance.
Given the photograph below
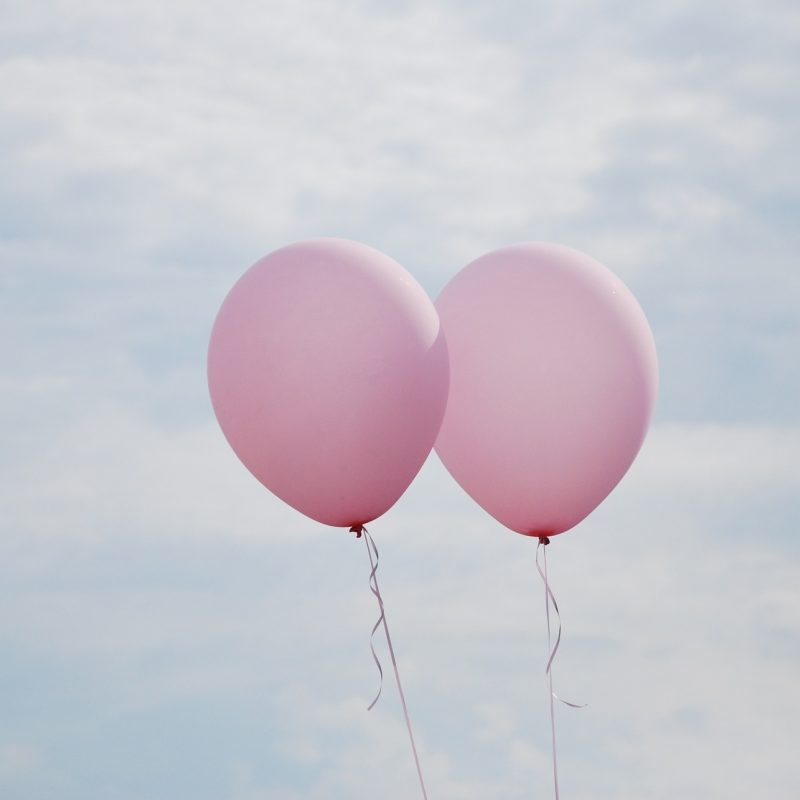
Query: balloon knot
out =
(357, 530)
(544, 540)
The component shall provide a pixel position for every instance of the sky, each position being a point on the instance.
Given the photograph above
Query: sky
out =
(169, 630)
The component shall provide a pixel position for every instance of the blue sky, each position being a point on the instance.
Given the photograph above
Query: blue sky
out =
(167, 628)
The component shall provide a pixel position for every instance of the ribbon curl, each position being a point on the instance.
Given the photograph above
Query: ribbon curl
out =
(372, 552)
(552, 650)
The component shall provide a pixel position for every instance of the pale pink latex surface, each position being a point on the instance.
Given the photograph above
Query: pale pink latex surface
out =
(328, 374)
(553, 378)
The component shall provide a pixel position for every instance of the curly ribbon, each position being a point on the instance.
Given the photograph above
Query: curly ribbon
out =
(372, 552)
(548, 598)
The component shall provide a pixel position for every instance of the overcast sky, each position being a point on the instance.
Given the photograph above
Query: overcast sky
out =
(168, 629)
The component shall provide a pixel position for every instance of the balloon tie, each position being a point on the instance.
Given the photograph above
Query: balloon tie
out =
(552, 650)
(372, 552)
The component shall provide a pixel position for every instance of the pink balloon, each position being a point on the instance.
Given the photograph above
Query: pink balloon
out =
(328, 374)
(553, 377)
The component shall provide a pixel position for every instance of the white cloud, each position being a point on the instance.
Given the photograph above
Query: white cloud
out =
(670, 635)
(151, 152)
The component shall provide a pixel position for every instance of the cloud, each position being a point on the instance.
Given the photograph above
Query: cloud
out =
(672, 630)
(157, 600)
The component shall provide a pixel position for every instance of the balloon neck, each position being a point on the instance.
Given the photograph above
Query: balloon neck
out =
(357, 530)
(544, 540)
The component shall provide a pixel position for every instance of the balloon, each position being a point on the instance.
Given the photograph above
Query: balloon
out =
(328, 375)
(553, 377)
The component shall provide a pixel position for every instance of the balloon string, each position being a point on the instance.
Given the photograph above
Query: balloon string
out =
(375, 589)
(552, 650)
